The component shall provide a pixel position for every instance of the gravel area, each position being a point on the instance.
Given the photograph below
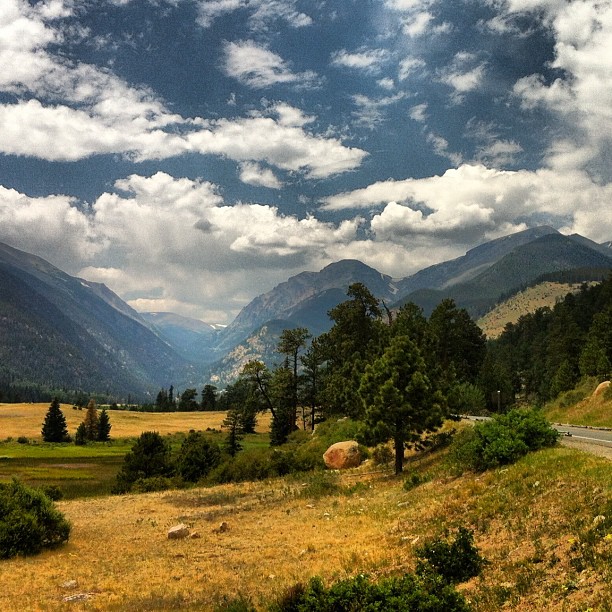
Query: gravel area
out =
(588, 447)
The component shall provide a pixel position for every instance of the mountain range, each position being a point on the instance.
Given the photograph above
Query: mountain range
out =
(63, 332)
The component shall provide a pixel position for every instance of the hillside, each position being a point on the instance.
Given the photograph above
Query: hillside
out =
(517, 269)
(543, 295)
(63, 332)
(533, 521)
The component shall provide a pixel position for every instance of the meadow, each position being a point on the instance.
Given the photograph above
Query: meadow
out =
(536, 522)
(544, 524)
(83, 471)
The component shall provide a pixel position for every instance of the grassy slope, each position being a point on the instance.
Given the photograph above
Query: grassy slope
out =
(532, 521)
(581, 406)
(529, 300)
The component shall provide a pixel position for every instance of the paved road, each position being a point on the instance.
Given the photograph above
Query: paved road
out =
(587, 434)
(597, 441)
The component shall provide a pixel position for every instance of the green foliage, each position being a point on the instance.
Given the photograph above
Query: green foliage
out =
(400, 401)
(29, 521)
(466, 398)
(54, 428)
(455, 561)
(502, 440)
(80, 436)
(382, 455)
(360, 594)
(338, 430)
(188, 401)
(155, 483)
(104, 426)
(233, 424)
(150, 456)
(197, 457)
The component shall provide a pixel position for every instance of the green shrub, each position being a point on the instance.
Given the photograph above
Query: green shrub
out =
(155, 483)
(150, 456)
(29, 521)
(360, 594)
(22, 440)
(331, 431)
(455, 561)
(197, 457)
(501, 440)
(412, 481)
(53, 492)
(320, 484)
(382, 455)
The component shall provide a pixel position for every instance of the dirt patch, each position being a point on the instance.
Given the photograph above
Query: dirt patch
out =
(70, 466)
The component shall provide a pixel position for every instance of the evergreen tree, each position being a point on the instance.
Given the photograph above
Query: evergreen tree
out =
(291, 342)
(91, 421)
(400, 401)
(283, 419)
(209, 397)
(104, 426)
(197, 456)
(80, 436)
(54, 428)
(188, 401)
(234, 433)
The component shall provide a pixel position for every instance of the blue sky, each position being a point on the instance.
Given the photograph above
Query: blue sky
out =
(191, 154)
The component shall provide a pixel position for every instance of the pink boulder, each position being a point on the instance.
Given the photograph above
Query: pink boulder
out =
(342, 455)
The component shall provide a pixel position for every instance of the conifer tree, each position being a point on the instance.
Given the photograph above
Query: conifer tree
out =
(233, 424)
(54, 428)
(104, 426)
(91, 421)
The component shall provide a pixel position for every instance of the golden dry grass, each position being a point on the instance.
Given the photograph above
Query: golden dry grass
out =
(544, 294)
(527, 519)
(27, 419)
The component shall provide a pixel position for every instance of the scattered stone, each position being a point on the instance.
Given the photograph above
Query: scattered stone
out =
(195, 536)
(77, 597)
(342, 455)
(222, 528)
(310, 506)
(69, 584)
(598, 520)
(178, 532)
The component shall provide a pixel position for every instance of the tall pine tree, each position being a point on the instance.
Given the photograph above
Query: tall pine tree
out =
(54, 428)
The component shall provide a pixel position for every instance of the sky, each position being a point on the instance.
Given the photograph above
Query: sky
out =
(192, 154)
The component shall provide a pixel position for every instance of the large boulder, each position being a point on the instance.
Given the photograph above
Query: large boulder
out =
(342, 455)
(601, 388)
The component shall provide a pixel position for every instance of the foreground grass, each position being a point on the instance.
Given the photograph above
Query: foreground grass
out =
(534, 522)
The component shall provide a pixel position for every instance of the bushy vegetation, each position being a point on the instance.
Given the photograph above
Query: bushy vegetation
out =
(455, 561)
(29, 521)
(501, 440)
(442, 564)
(361, 594)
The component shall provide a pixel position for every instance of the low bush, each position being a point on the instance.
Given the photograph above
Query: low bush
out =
(455, 561)
(22, 440)
(501, 441)
(155, 483)
(382, 455)
(197, 457)
(360, 594)
(29, 521)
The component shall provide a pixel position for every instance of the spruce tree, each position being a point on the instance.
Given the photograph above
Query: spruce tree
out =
(233, 425)
(104, 426)
(91, 421)
(54, 428)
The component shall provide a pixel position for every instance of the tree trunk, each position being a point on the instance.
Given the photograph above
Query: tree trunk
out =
(399, 455)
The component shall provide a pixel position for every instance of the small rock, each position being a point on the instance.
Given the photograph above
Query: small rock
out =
(598, 520)
(77, 597)
(69, 584)
(195, 536)
(310, 506)
(222, 528)
(178, 532)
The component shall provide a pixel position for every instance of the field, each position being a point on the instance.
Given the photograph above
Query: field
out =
(533, 521)
(82, 471)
